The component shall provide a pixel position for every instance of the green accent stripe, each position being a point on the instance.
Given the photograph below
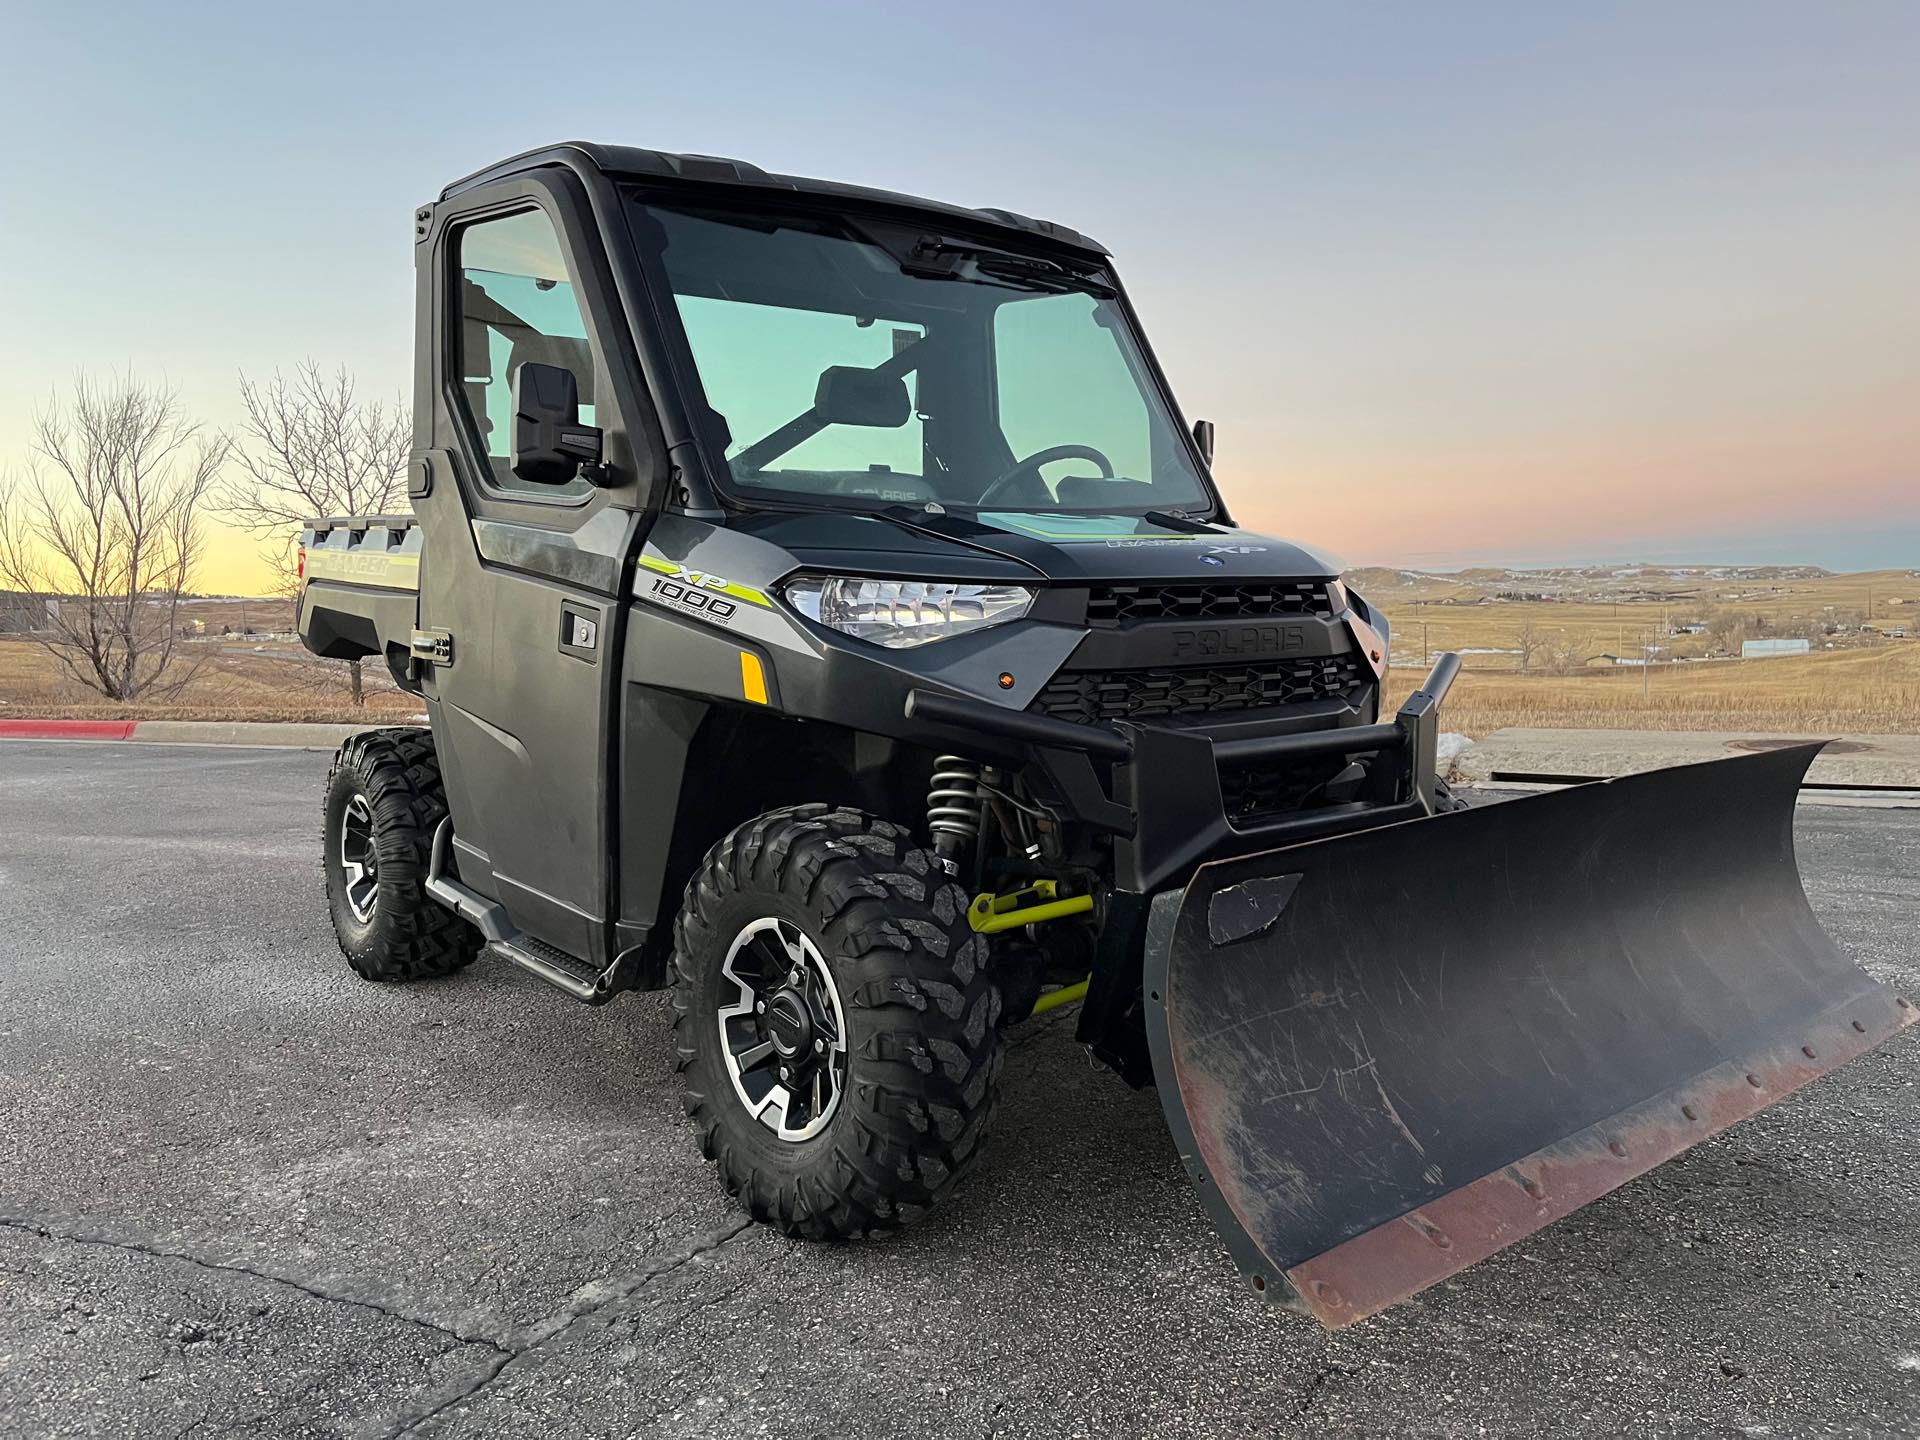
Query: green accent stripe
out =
(703, 581)
(397, 570)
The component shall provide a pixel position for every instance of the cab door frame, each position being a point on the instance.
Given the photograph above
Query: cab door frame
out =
(525, 717)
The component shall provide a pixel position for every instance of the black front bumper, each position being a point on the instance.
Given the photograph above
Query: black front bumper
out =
(1164, 802)
(1158, 791)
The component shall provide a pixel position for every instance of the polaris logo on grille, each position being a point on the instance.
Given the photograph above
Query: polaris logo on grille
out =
(1238, 640)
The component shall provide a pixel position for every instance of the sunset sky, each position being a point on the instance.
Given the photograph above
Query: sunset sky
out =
(1459, 283)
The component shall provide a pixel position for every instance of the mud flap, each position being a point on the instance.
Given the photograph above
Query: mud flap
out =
(1386, 1055)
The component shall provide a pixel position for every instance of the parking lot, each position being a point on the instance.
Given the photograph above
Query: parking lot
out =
(244, 1192)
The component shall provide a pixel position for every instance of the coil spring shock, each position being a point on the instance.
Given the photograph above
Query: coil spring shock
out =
(954, 805)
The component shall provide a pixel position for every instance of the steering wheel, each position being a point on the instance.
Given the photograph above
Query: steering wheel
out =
(1029, 468)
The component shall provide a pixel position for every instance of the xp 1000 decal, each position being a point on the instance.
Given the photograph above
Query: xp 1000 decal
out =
(715, 600)
(693, 598)
(711, 597)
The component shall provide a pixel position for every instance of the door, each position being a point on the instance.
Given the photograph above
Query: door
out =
(526, 578)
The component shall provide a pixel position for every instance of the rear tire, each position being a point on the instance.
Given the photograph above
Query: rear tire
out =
(902, 1121)
(384, 801)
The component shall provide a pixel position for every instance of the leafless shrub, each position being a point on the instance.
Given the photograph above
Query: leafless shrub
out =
(1562, 656)
(105, 525)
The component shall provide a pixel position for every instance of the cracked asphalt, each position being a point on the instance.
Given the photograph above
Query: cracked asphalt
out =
(244, 1193)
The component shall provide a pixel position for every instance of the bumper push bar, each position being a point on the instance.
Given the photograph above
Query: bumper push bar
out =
(1166, 807)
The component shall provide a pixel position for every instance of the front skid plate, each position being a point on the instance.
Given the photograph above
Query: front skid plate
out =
(1386, 1055)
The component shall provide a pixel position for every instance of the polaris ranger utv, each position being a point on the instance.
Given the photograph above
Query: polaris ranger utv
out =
(822, 610)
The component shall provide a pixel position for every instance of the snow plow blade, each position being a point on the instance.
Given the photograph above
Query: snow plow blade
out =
(1388, 1054)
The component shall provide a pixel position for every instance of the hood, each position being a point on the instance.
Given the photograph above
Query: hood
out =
(1022, 546)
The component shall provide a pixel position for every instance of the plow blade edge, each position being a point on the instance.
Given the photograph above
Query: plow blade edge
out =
(1386, 1055)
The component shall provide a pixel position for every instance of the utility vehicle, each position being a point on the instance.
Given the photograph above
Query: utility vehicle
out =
(823, 611)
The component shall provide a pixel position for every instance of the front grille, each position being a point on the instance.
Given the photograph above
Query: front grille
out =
(1248, 599)
(1091, 695)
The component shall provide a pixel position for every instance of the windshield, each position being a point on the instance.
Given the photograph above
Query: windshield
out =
(855, 363)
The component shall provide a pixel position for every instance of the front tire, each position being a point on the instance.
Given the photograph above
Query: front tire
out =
(820, 954)
(384, 801)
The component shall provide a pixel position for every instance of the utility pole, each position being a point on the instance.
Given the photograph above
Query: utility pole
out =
(1423, 643)
(1646, 670)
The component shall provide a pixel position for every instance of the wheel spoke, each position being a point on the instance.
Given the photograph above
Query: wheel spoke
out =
(770, 958)
(779, 1098)
(753, 1054)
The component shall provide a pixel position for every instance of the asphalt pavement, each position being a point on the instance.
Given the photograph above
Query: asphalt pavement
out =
(244, 1193)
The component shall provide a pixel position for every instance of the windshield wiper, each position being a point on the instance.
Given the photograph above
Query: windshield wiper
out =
(936, 259)
(1179, 520)
(1043, 275)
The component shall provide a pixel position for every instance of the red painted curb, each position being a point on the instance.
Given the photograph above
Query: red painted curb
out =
(67, 729)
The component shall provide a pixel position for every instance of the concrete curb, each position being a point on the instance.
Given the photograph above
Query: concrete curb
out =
(66, 729)
(259, 733)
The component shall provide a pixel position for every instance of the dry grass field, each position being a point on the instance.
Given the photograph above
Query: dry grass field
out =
(1575, 624)
(261, 676)
(1572, 622)
(1861, 691)
(1605, 615)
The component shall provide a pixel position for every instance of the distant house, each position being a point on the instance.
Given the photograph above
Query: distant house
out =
(1690, 627)
(1761, 649)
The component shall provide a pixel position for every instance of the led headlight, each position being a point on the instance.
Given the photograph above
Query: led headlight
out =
(903, 613)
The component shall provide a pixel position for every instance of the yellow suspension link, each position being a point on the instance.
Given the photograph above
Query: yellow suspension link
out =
(990, 914)
(1065, 995)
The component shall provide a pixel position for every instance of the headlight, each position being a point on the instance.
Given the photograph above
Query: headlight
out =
(902, 613)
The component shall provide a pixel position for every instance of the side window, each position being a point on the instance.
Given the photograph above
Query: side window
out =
(516, 303)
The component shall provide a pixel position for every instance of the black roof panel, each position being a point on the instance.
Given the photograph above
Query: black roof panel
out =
(738, 174)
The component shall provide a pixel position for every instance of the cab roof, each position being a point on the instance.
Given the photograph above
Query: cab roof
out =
(738, 175)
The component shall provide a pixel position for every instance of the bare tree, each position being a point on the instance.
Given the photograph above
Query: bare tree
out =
(105, 529)
(311, 447)
(1529, 643)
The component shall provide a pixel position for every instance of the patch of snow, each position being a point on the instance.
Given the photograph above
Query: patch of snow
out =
(1449, 748)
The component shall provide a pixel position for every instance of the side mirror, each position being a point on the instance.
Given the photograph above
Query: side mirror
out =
(848, 395)
(1203, 437)
(550, 445)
